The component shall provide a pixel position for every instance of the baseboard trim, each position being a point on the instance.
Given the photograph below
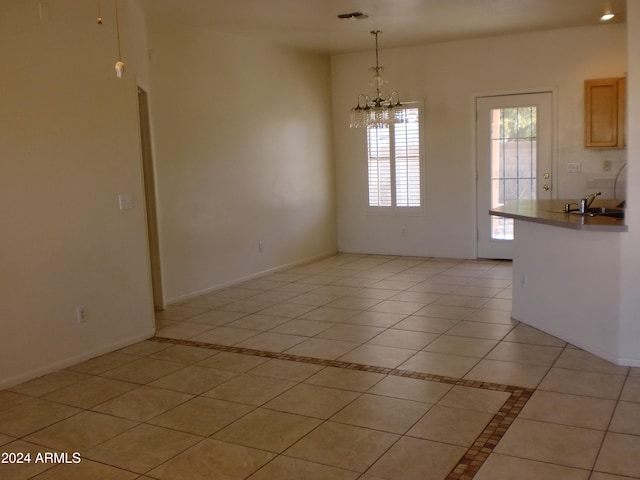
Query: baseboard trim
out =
(237, 281)
(67, 362)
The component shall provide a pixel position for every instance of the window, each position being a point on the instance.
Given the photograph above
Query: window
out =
(394, 166)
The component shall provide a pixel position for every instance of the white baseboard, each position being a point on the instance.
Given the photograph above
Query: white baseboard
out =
(67, 362)
(231, 283)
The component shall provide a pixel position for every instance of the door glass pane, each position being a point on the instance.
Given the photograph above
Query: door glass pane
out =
(513, 162)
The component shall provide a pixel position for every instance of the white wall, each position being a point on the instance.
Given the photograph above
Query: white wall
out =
(447, 77)
(243, 155)
(630, 247)
(70, 144)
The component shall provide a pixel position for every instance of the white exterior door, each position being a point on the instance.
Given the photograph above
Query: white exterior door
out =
(514, 162)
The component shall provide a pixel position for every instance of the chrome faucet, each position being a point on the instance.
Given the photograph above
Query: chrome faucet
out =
(586, 201)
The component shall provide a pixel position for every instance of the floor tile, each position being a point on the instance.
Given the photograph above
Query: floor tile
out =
(80, 432)
(292, 468)
(326, 314)
(213, 460)
(502, 467)
(49, 383)
(525, 353)
(23, 471)
(631, 390)
(378, 355)
(350, 332)
(592, 384)
(626, 418)
(258, 321)
(250, 389)
(184, 330)
(355, 380)
(376, 319)
(91, 392)
(322, 348)
(226, 335)
(545, 442)
(394, 306)
(343, 446)
(477, 399)
(142, 448)
(10, 399)
(573, 410)
(451, 425)
(411, 389)
(445, 311)
(234, 362)
(271, 342)
(426, 324)
(183, 354)
(403, 339)
(289, 310)
(98, 365)
(193, 379)
(465, 346)
(86, 470)
(417, 459)
(142, 403)
(201, 416)
(490, 331)
(312, 400)
(439, 364)
(215, 318)
(143, 370)
(576, 359)
(509, 373)
(382, 413)
(268, 430)
(526, 334)
(286, 370)
(307, 328)
(32, 415)
(619, 455)
(491, 316)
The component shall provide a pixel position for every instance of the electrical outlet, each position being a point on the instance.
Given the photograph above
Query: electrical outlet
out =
(574, 167)
(81, 313)
(606, 165)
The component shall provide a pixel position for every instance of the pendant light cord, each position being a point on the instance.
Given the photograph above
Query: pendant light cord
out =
(118, 30)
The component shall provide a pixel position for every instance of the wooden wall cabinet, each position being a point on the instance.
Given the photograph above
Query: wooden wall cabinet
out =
(604, 114)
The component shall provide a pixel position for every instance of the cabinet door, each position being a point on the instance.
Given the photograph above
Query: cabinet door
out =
(604, 112)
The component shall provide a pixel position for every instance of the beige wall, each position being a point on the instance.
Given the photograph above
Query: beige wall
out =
(243, 156)
(69, 145)
(447, 77)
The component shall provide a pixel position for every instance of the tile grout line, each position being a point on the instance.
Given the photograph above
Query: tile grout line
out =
(474, 457)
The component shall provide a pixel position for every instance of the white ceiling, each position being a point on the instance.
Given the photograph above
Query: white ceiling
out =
(312, 25)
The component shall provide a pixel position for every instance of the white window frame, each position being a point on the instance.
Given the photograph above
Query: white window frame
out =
(394, 209)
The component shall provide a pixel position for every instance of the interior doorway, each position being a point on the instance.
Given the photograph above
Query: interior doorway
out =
(150, 199)
(514, 162)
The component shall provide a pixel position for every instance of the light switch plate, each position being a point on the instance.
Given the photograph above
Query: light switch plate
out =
(574, 167)
(125, 201)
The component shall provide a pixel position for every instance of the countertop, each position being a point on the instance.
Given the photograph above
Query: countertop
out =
(551, 212)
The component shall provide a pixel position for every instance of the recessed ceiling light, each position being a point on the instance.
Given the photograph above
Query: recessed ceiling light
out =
(353, 16)
(607, 16)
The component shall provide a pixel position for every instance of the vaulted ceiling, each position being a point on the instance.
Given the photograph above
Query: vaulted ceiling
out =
(313, 25)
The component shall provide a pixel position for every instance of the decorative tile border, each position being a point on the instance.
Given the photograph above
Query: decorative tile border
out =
(475, 456)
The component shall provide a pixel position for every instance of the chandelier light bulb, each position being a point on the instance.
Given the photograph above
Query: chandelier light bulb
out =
(607, 16)
(119, 69)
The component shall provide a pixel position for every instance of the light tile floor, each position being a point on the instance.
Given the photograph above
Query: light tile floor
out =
(351, 367)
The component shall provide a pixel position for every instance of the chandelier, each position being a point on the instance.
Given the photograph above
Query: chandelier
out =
(381, 111)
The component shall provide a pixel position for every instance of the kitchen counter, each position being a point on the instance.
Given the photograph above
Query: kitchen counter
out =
(566, 281)
(551, 212)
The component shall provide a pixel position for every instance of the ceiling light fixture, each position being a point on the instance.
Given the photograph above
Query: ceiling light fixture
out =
(608, 14)
(381, 111)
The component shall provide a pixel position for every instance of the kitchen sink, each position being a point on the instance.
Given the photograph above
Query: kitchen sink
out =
(602, 211)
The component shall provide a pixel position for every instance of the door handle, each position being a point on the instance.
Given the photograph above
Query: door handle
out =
(546, 187)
